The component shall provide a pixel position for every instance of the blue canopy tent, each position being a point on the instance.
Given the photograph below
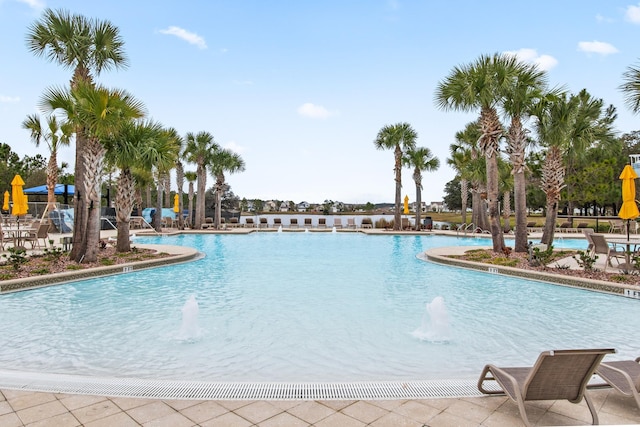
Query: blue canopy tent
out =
(59, 190)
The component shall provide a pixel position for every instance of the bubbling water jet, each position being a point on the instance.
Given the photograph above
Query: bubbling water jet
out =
(190, 329)
(435, 322)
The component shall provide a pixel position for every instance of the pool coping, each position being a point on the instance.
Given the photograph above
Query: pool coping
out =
(443, 256)
(178, 254)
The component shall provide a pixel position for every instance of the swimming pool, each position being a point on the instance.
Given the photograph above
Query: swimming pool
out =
(304, 307)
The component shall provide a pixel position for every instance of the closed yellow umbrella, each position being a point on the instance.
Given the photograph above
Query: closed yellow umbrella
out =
(406, 205)
(19, 201)
(629, 208)
(176, 203)
(5, 204)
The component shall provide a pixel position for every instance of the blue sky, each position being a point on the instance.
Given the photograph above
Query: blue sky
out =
(301, 88)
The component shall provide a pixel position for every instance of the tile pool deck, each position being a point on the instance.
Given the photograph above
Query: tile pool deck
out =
(28, 408)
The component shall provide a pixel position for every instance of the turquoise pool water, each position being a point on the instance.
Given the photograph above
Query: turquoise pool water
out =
(305, 307)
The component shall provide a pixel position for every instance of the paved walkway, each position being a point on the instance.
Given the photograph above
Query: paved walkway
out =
(23, 408)
(26, 408)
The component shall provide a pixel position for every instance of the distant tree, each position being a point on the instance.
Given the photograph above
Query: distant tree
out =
(400, 138)
(369, 207)
(452, 194)
(55, 134)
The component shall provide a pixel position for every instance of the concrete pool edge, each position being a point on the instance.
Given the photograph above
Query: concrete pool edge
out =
(442, 256)
(179, 254)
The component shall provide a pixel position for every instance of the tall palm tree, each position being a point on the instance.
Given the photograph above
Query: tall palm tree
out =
(567, 125)
(421, 159)
(179, 166)
(400, 138)
(87, 46)
(191, 177)
(102, 112)
(223, 160)
(198, 150)
(480, 85)
(159, 155)
(125, 150)
(527, 87)
(465, 157)
(55, 135)
(631, 88)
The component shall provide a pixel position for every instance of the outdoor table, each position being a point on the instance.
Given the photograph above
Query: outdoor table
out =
(627, 243)
(18, 235)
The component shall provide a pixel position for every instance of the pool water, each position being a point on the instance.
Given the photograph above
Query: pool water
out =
(305, 307)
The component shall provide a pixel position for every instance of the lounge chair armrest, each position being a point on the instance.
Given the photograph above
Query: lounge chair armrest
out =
(493, 370)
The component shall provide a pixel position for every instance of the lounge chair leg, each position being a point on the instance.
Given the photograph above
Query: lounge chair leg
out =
(592, 409)
(523, 412)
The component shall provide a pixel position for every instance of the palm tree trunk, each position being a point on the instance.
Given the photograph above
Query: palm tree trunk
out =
(489, 144)
(93, 172)
(397, 219)
(464, 195)
(180, 184)
(52, 177)
(418, 200)
(552, 184)
(517, 143)
(190, 197)
(157, 219)
(506, 210)
(200, 196)
(124, 205)
(81, 213)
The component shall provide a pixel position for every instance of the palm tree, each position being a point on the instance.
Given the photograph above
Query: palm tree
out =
(191, 177)
(400, 138)
(631, 88)
(566, 125)
(465, 157)
(159, 154)
(223, 160)
(58, 134)
(421, 159)
(179, 173)
(101, 112)
(125, 150)
(87, 46)
(526, 88)
(480, 85)
(198, 150)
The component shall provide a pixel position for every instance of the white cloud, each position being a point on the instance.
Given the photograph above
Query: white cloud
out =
(633, 14)
(185, 35)
(595, 46)
(8, 99)
(604, 19)
(234, 146)
(34, 4)
(531, 56)
(314, 111)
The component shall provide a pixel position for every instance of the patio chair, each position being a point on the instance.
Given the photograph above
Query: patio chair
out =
(277, 222)
(601, 246)
(34, 235)
(623, 376)
(249, 223)
(556, 375)
(588, 232)
(208, 222)
(616, 226)
(351, 223)
(293, 223)
(234, 222)
(308, 222)
(322, 223)
(367, 223)
(337, 222)
(263, 223)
